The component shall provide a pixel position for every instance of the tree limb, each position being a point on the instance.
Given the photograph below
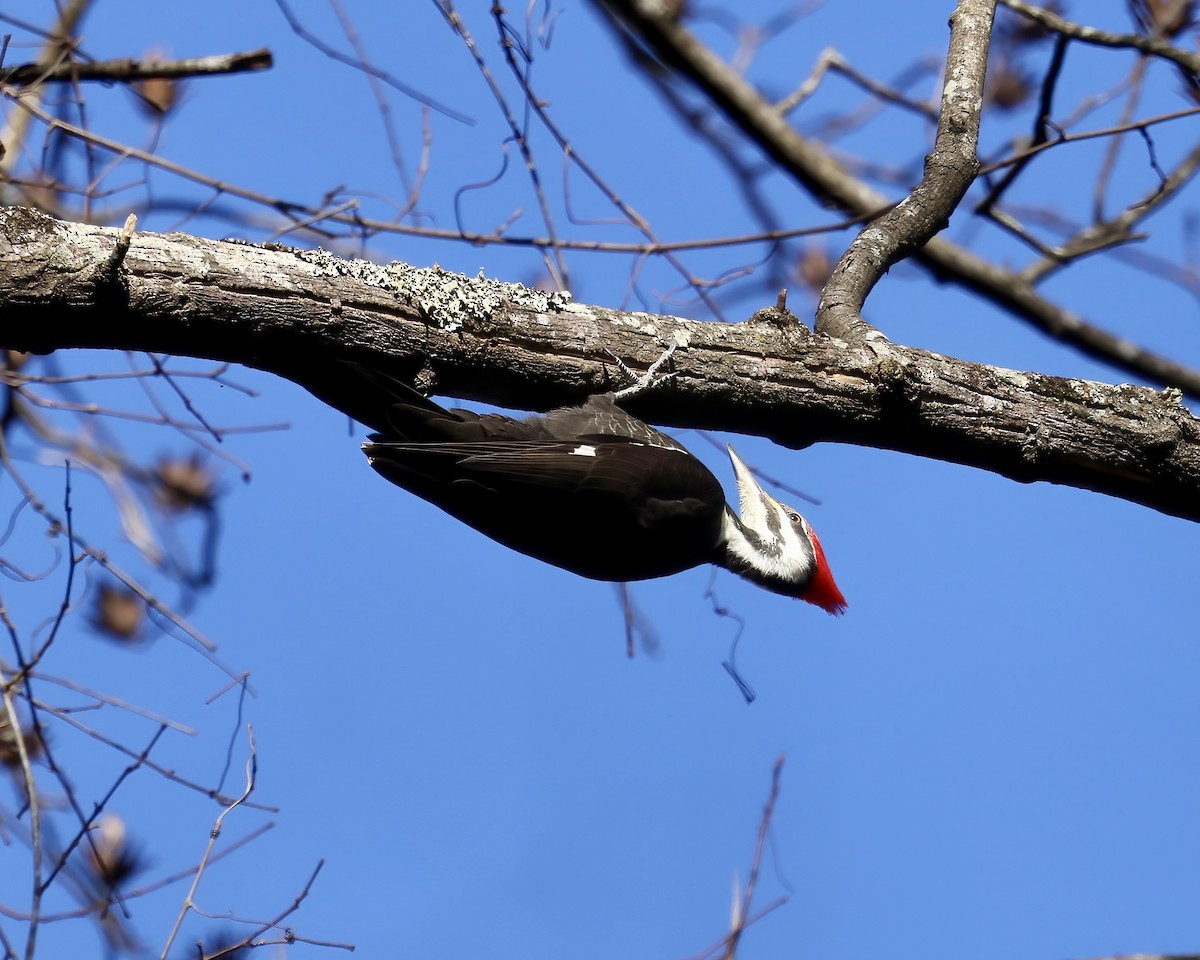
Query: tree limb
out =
(949, 171)
(128, 70)
(291, 312)
(1146, 43)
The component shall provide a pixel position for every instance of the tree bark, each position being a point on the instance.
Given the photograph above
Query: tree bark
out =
(293, 312)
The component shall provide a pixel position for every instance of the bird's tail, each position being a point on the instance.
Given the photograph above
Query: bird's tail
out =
(369, 396)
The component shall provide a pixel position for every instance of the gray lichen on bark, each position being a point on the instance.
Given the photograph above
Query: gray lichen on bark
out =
(444, 298)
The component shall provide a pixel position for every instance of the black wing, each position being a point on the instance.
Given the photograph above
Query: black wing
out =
(608, 508)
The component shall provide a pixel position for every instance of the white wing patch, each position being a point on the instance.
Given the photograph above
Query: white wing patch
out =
(584, 450)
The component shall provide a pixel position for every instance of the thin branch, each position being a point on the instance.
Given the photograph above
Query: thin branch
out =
(168, 774)
(302, 214)
(832, 60)
(1112, 149)
(128, 70)
(114, 701)
(35, 807)
(86, 824)
(205, 646)
(1041, 127)
(289, 935)
(572, 157)
(1145, 43)
(555, 262)
(742, 908)
(148, 888)
(65, 604)
(317, 43)
(190, 899)
(55, 50)
(382, 106)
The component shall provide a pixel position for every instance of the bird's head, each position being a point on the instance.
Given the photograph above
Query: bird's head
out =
(770, 544)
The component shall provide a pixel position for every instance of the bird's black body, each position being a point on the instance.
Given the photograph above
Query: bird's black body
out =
(590, 489)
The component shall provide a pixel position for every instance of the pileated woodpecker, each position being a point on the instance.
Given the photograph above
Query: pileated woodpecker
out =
(597, 492)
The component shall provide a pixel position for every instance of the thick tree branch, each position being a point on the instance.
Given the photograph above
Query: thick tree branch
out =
(291, 312)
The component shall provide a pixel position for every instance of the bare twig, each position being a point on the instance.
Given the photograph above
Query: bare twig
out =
(1041, 126)
(147, 888)
(572, 157)
(1146, 43)
(129, 70)
(189, 900)
(168, 774)
(382, 106)
(554, 258)
(832, 60)
(86, 823)
(302, 213)
(65, 603)
(35, 809)
(113, 701)
(289, 935)
(317, 43)
(112, 266)
(54, 51)
(742, 907)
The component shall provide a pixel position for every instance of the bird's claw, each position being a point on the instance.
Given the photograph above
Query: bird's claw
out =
(647, 380)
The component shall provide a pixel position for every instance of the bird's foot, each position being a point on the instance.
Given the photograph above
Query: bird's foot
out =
(650, 378)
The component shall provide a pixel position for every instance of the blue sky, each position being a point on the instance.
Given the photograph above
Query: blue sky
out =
(992, 754)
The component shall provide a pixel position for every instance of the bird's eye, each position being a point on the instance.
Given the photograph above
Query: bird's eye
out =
(796, 518)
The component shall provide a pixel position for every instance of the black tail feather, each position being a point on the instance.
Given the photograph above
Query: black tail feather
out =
(363, 394)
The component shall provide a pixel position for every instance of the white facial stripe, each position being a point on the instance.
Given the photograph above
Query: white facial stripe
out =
(763, 544)
(759, 555)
